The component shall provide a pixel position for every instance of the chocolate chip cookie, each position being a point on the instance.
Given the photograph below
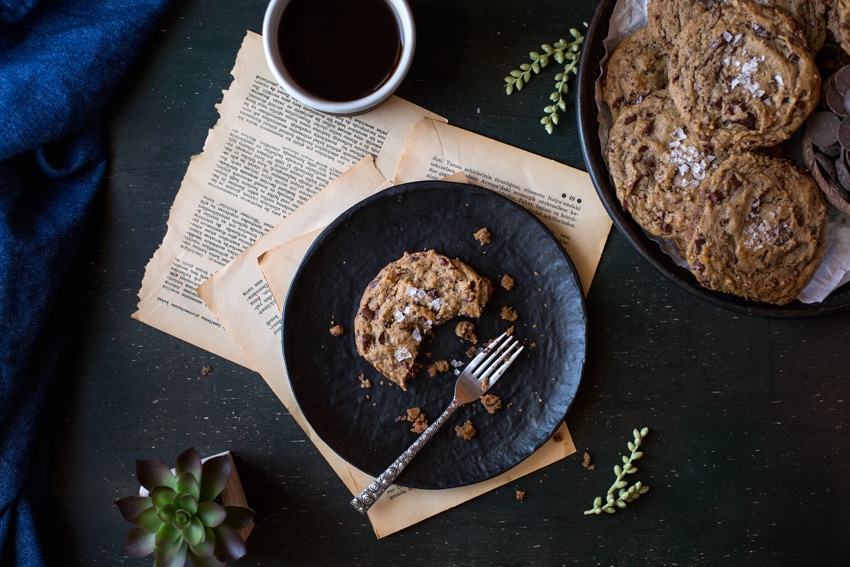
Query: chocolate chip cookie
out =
(636, 68)
(657, 165)
(741, 73)
(838, 22)
(809, 17)
(667, 18)
(759, 230)
(403, 303)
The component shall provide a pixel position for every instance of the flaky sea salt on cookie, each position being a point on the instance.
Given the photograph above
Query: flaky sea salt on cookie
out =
(741, 73)
(760, 230)
(657, 165)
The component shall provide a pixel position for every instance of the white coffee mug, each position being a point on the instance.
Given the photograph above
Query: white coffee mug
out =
(365, 103)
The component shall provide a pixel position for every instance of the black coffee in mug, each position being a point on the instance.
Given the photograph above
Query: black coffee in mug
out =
(339, 50)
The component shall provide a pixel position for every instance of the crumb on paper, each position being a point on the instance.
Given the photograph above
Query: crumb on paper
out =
(437, 367)
(491, 402)
(364, 382)
(418, 418)
(519, 494)
(507, 282)
(483, 236)
(206, 370)
(466, 431)
(466, 331)
(585, 462)
(508, 313)
(337, 330)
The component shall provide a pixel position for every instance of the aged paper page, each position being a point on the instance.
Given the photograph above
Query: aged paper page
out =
(238, 293)
(562, 197)
(266, 156)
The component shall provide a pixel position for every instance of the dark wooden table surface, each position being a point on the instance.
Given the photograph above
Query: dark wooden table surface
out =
(748, 458)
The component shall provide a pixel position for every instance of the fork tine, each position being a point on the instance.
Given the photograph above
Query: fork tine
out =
(497, 364)
(484, 353)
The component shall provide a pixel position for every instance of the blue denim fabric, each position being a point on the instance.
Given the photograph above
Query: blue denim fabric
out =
(60, 62)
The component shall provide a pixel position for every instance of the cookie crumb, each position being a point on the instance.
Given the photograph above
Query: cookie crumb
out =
(364, 382)
(466, 431)
(483, 236)
(491, 402)
(436, 367)
(206, 370)
(337, 330)
(520, 495)
(586, 462)
(507, 282)
(508, 313)
(418, 418)
(466, 331)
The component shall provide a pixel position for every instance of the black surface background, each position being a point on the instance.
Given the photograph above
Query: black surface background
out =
(748, 452)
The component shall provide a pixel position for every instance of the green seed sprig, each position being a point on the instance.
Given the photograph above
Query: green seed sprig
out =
(564, 53)
(624, 493)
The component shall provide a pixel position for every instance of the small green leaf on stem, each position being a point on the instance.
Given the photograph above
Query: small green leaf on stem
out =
(564, 53)
(625, 493)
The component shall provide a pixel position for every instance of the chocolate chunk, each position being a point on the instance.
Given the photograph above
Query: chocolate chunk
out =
(842, 174)
(831, 151)
(844, 133)
(822, 129)
(836, 102)
(842, 80)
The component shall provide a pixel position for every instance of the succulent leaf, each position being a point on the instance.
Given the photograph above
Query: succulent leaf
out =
(168, 534)
(229, 545)
(239, 516)
(194, 532)
(131, 506)
(148, 520)
(212, 514)
(153, 472)
(182, 519)
(139, 543)
(187, 502)
(162, 495)
(168, 542)
(176, 560)
(215, 476)
(206, 548)
(188, 483)
(189, 461)
(166, 513)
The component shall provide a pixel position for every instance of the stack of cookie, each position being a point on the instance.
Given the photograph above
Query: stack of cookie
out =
(701, 97)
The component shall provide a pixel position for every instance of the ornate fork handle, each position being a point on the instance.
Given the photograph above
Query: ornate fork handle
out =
(363, 501)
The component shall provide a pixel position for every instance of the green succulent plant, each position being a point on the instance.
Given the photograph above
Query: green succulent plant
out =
(181, 517)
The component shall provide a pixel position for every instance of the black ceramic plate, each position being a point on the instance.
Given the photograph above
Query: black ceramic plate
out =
(360, 424)
(592, 53)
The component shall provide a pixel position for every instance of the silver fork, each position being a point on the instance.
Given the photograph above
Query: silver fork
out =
(478, 377)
